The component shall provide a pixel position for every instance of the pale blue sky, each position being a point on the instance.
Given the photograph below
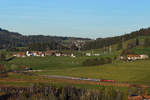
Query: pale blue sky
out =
(80, 18)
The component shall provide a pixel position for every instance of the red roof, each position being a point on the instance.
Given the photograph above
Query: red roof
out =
(133, 55)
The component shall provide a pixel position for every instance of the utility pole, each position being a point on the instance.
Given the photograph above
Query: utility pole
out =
(110, 49)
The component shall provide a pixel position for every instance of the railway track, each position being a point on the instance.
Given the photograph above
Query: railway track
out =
(101, 82)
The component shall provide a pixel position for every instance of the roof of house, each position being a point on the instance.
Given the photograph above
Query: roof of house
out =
(131, 55)
(22, 53)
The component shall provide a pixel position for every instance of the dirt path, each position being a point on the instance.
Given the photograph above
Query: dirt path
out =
(66, 80)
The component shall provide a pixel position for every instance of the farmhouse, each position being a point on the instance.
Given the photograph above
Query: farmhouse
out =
(144, 56)
(93, 54)
(51, 52)
(21, 54)
(58, 54)
(96, 54)
(35, 53)
(137, 57)
(72, 55)
(64, 55)
(39, 53)
(88, 54)
(48, 53)
(28, 53)
(133, 57)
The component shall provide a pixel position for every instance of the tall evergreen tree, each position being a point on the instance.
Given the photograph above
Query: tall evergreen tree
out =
(147, 42)
(137, 42)
(119, 46)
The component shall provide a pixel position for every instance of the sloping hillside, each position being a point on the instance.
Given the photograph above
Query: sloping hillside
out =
(104, 42)
(12, 39)
(125, 47)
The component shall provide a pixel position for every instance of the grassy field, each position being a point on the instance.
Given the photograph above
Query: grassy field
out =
(24, 80)
(132, 72)
(49, 63)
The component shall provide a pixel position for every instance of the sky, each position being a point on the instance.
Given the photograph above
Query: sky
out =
(79, 18)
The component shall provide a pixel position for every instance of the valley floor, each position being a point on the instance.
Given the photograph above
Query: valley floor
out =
(129, 72)
(137, 72)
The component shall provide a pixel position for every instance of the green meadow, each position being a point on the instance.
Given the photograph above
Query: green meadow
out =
(130, 72)
(120, 71)
(48, 63)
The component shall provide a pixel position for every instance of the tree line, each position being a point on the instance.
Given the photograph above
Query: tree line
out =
(43, 92)
(105, 42)
(11, 40)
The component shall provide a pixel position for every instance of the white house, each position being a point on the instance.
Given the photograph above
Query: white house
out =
(28, 54)
(96, 54)
(88, 54)
(58, 54)
(133, 57)
(137, 57)
(144, 56)
(73, 55)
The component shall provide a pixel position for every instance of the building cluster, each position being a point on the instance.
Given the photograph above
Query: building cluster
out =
(79, 43)
(42, 54)
(133, 57)
(93, 54)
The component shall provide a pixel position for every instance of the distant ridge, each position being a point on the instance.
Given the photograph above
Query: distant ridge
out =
(105, 42)
(14, 39)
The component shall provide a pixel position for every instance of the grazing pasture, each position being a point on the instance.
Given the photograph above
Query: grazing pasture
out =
(49, 63)
(130, 72)
(120, 71)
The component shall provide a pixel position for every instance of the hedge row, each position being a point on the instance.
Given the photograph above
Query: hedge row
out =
(97, 61)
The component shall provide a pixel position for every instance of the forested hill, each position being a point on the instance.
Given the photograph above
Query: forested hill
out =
(13, 39)
(104, 42)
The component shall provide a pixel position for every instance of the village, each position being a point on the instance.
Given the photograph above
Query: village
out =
(42, 54)
(129, 57)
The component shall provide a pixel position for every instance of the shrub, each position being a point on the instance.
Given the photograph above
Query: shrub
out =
(96, 61)
(2, 56)
(3, 72)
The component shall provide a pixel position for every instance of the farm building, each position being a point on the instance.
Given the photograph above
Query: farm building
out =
(137, 57)
(22, 54)
(132, 57)
(144, 56)
(88, 54)
(93, 54)
(58, 54)
(51, 52)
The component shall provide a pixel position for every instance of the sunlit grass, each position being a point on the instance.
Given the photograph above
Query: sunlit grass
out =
(132, 72)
